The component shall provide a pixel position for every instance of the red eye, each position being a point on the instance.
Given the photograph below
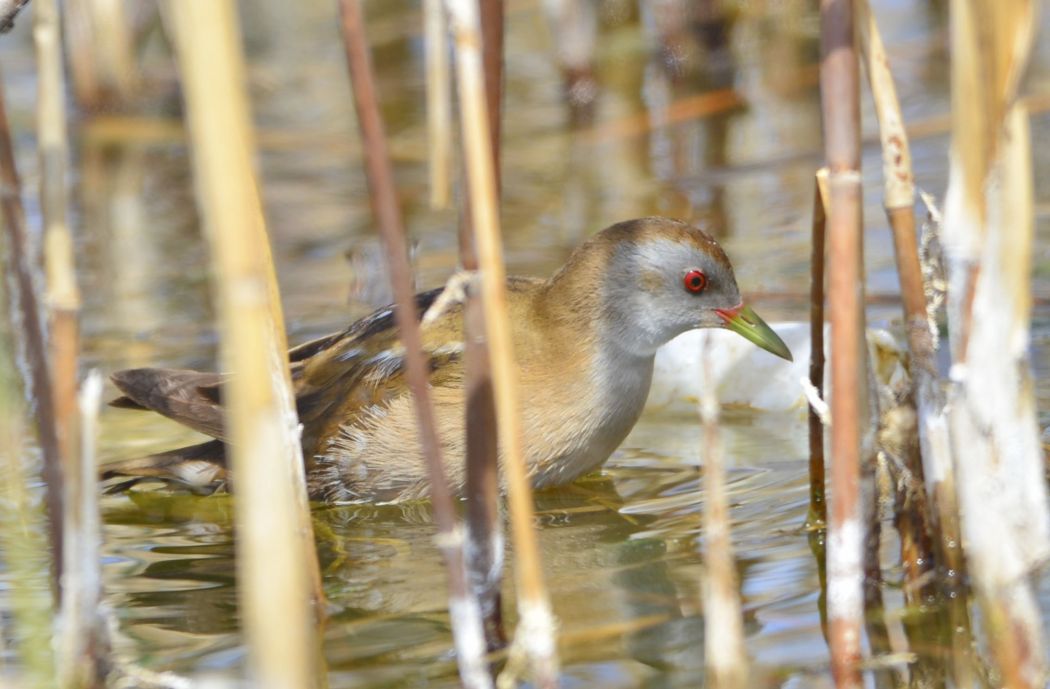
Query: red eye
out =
(695, 281)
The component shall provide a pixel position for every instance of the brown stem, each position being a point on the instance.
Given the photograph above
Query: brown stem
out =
(24, 312)
(485, 531)
(818, 511)
(464, 611)
(841, 108)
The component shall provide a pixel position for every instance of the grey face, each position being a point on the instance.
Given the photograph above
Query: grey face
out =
(649, 298)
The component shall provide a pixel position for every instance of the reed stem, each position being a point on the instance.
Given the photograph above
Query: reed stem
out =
(724, 654)
(439, 103)
(24, 312)
(485, 529)
(535, 635)
(818, 510)
(899, 200)
(81, 643)
(841, 108)
(63, 296)
(988, 236)
(464, 608)
(23, 542)
(276, 560)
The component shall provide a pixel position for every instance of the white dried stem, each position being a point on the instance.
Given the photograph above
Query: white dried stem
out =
(455, 294)
(819, 406)
(81, 635)
(988, 234)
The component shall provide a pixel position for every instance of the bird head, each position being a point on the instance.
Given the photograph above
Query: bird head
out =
(659, 278)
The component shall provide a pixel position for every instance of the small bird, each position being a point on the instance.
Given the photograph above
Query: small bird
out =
(584, 342)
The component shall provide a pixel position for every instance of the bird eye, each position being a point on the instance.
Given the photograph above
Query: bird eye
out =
(695, 281)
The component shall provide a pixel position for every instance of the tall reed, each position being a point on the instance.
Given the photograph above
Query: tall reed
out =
(276, 560)
(912, 513)
(988, 234)
(841, 108)
(818, 509)
(485, 542)
(464, 608)
(535, 633)
(63, 296)
(31, 348)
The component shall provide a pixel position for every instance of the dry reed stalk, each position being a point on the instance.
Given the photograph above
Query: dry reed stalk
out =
(439, 103)
(80, 640)
(818, 510)
(63, 296)
(535, 636)
(913, 516)
(464, 609)
(81, 644)
(725, 657)
(24, 311)
(276, 559)
(841, 108)
(485, 528)
(987, 235)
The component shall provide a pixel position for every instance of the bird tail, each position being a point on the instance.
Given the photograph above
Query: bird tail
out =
(200, 468)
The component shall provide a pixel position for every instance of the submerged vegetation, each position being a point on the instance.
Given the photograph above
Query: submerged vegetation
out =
(935, 431)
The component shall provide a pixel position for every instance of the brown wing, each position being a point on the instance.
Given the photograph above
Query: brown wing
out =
(362, 369)
(332, 377)
(189, 397)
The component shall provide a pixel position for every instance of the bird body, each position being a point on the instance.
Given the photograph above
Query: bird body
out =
(584, 342)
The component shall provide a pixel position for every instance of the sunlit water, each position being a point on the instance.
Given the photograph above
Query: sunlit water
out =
(621, 550)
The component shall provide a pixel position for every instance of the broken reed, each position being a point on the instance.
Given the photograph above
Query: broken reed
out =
(464, 609)
(276, 559)
(911, 514)
(534, 636)
(840, 100)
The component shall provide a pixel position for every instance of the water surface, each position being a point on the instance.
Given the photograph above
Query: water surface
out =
(719, 125)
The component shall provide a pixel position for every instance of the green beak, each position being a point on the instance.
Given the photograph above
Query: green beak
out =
(742, 319)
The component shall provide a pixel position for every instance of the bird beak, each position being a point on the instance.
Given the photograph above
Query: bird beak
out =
(743, 320)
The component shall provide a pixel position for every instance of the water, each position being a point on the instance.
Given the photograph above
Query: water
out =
(723, 131)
